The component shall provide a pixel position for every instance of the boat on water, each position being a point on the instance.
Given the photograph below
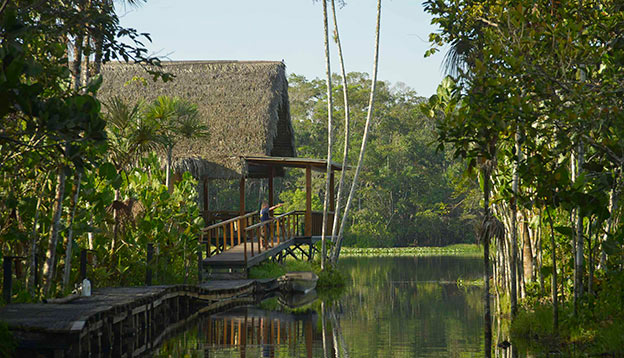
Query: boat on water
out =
(303, 281)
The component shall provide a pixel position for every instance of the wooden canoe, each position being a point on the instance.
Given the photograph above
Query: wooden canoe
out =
(303, 281)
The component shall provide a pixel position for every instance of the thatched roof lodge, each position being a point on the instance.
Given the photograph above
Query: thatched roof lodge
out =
(244, 104)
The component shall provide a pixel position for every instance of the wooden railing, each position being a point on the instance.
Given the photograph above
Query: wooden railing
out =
(232, 230)
(274, 231)
(245, 228)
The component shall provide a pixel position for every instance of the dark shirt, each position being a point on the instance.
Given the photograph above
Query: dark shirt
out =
(264, 214)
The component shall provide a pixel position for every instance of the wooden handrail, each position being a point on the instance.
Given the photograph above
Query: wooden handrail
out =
(222, 223)
(270, 220)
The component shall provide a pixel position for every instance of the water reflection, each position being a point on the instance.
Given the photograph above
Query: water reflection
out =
(394, 307)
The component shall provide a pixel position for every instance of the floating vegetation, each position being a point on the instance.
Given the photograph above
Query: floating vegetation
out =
(460, 249)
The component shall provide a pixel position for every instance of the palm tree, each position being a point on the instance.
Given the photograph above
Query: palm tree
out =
(330, 134)
(177, 119)
(369, 117)
(130, 135)
(345, 153)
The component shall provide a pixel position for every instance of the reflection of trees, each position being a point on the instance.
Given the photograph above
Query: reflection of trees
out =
(409, 305)
(396, 307)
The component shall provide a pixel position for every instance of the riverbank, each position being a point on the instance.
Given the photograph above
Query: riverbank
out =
(457, 249)
(596, 330)
(329, 278)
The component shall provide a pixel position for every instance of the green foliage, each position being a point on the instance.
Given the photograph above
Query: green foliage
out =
(409, 193)
(7, 342)
(457, 249)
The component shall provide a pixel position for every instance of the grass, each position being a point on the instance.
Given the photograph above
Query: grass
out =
(457, 249)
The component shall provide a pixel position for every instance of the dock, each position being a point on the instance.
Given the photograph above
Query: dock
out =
(122, 321)
(237, 244)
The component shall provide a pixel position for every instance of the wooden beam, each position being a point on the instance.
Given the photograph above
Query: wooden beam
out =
(308, 213)
(271, 176)
(242, 195)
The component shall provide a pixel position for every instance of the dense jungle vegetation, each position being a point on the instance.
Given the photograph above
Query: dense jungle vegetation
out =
(409, 194)
(534, 105)
(77, 173)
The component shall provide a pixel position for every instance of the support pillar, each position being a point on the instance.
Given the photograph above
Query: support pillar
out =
(308, 212)
(271, 175)
(242, 195)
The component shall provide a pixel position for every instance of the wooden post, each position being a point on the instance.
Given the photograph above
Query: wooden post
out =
(308, 213)
(244, 244)
(208, 248)
(199, 266)
(231, 234)
(271, 175)
(241, 190)
(205, 184)
(7, 283)
(83, 264)
(148, 271)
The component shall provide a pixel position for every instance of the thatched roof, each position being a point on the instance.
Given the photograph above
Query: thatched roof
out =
(243, 103)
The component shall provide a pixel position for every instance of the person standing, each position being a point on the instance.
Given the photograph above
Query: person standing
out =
(265, 215)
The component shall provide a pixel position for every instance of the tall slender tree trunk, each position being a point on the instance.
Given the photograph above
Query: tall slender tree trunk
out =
(75, 64)
(330, 135)
(578, 259)
(115, 225)
(85, 76)
(613, 208)
(486, 266)
(555, 302)
(70, 231)
(50, 262)
(168, 168)
(34, 235)
(369, 117)
(345, 153)
(514, 227)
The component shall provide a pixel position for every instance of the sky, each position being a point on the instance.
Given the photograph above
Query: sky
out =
(292, 30)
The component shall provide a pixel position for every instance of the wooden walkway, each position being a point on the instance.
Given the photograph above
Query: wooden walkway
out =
(234, 257)
(121, 321)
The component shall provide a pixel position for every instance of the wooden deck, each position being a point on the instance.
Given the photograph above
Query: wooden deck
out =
(234, 257)
(121, 321)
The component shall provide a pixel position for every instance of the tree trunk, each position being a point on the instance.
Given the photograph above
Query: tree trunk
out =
(345, 153)
(75, 64)
(578, 260)
(514, 228)
(115, 225)
(486, 267)
(590, 258)
(527, 255)
(554, 275)
(34, 234)
(168, 169)
(85, 76)
(329, 134)
(70, 232)
(50, 262)
(369, 116)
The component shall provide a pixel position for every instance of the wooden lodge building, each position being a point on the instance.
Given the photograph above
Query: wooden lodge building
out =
(245, 106)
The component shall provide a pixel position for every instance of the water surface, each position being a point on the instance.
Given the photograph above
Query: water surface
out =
(392, 307)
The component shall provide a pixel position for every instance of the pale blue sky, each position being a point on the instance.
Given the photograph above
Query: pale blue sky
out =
(292, 30)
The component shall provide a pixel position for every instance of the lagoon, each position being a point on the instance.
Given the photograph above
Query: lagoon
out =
(391, 307)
